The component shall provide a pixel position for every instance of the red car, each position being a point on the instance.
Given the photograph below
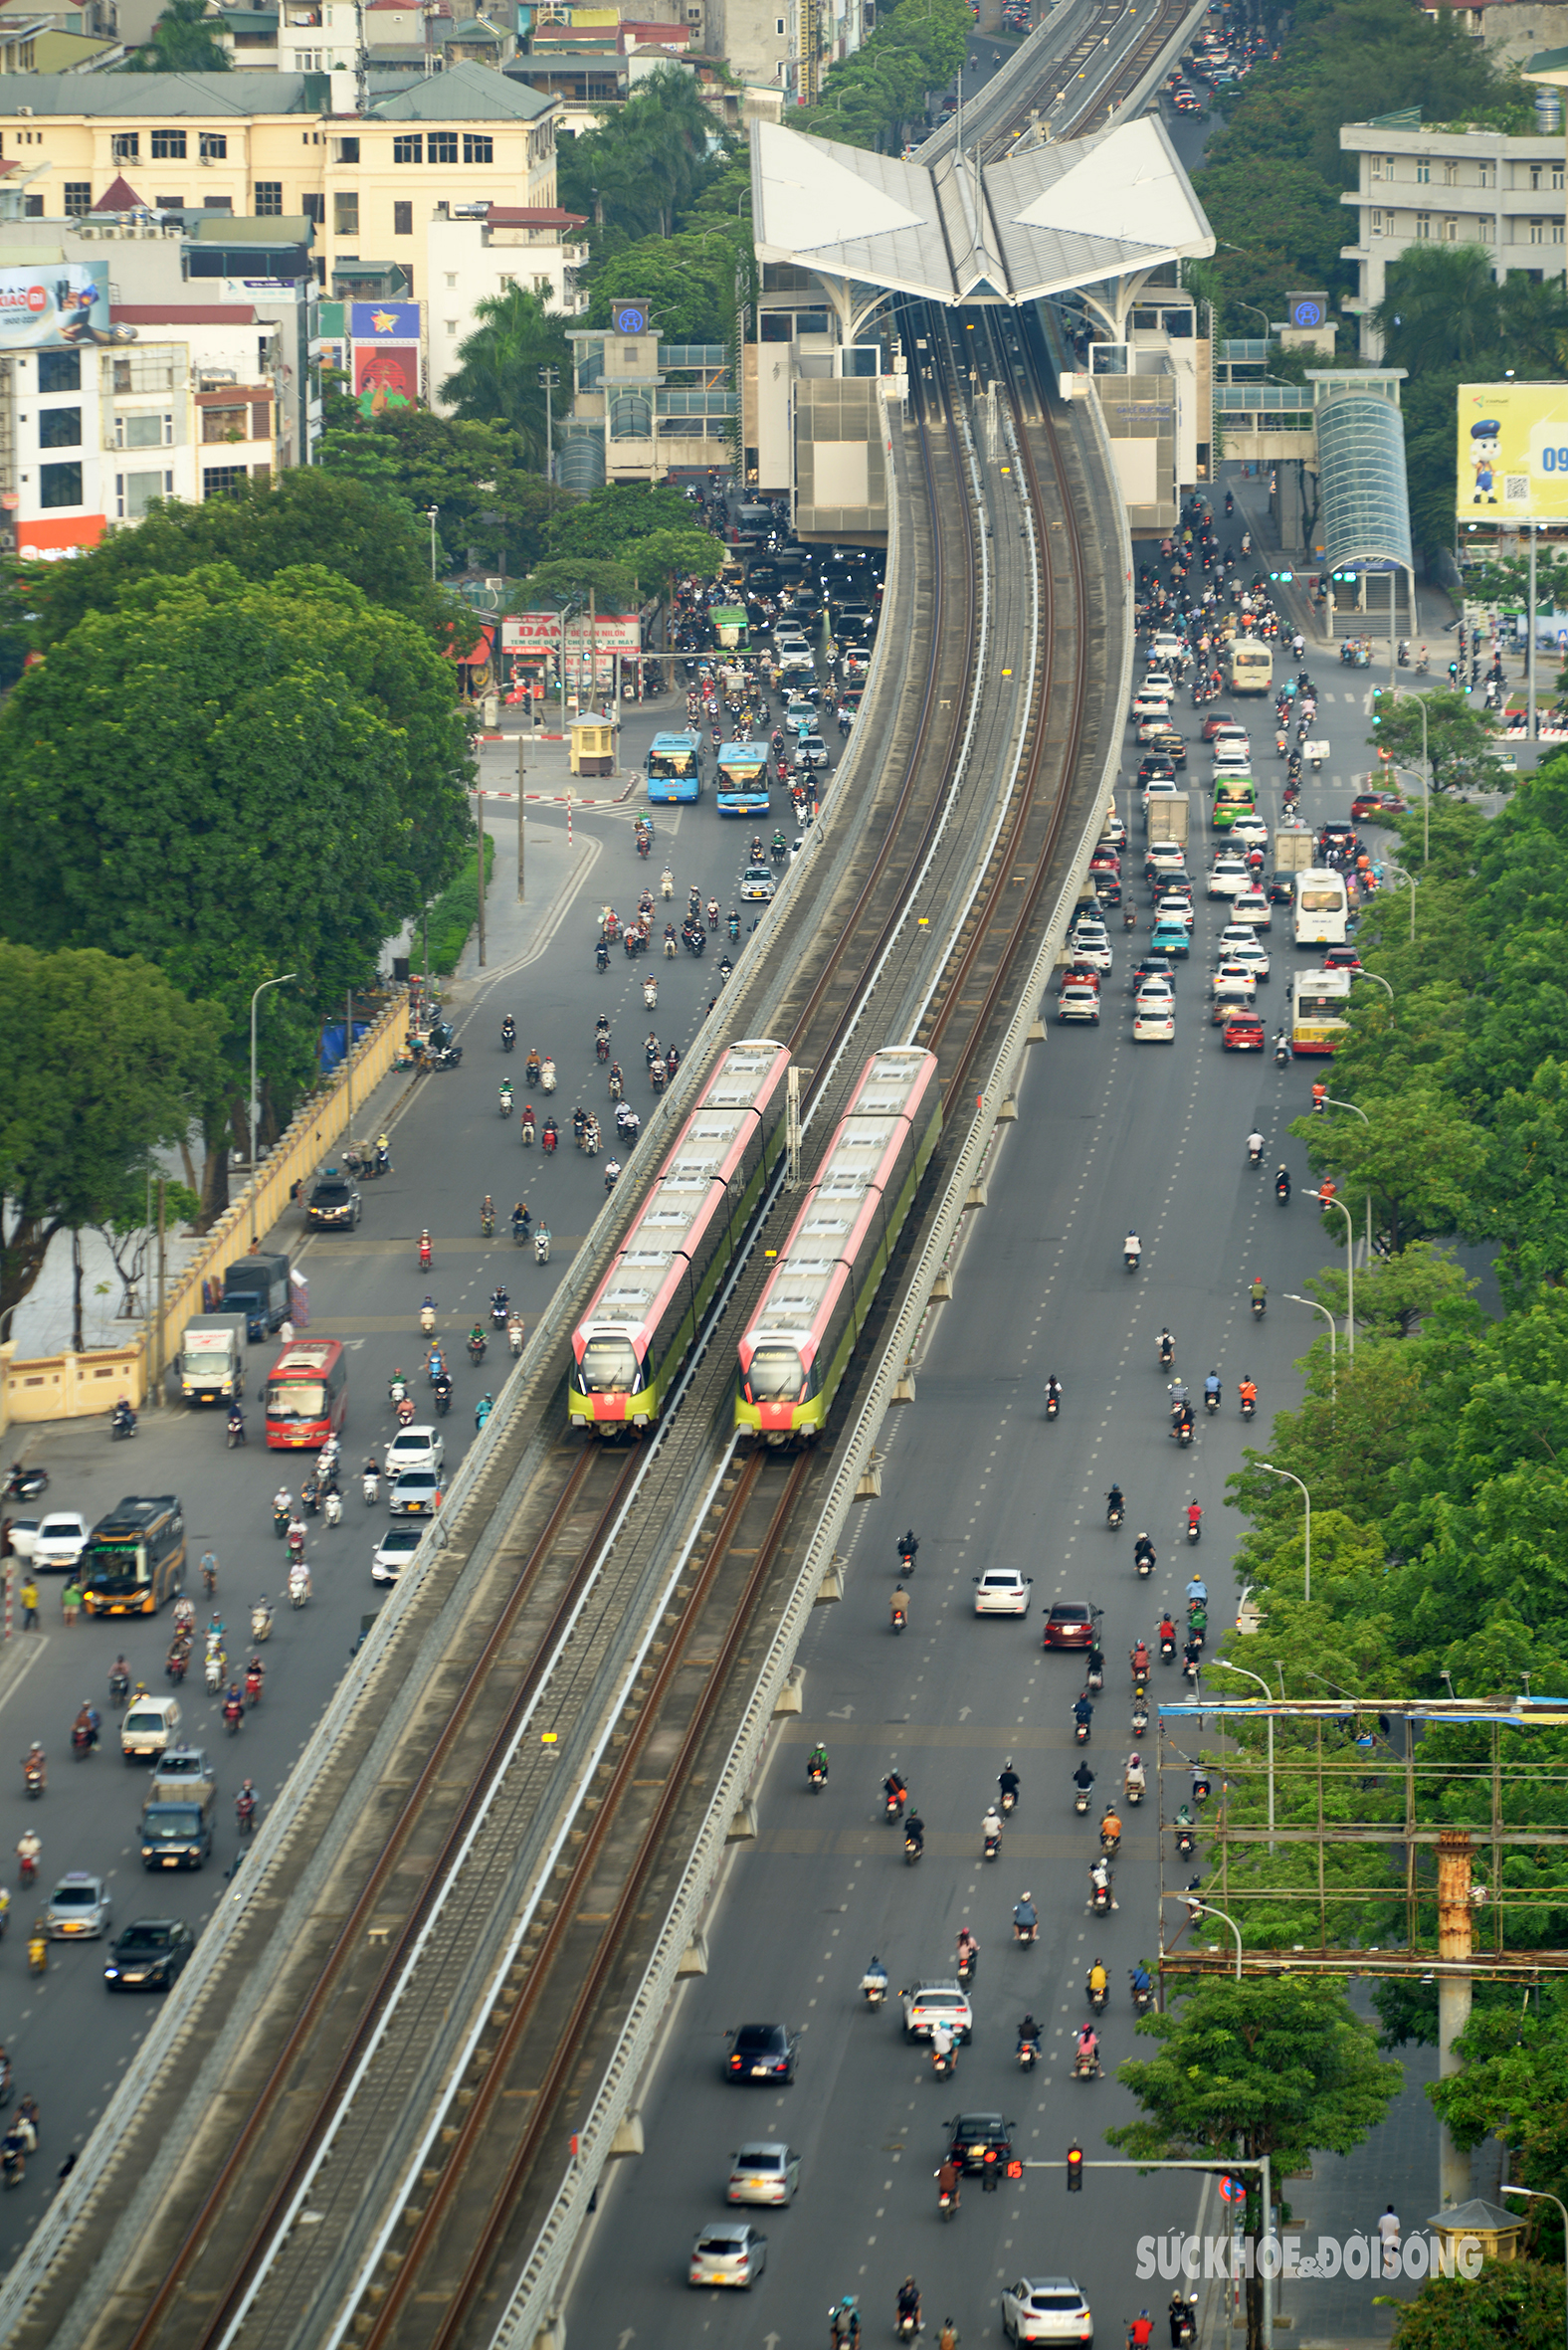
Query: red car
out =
(1243, 1032)
(1213, 721)
(1341, 958)
(1375, 806)
(1069, 1625)
(1106, 861)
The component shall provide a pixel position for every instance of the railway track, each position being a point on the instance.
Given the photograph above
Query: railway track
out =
(387, 2164)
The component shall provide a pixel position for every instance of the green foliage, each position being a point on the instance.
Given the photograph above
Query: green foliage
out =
(552, 585)
(475, 474)
(182, 43)
(1459, 743)
(1514, 2302)
(305, 516)
(496, 378)
(235, 778)
(870, 96)
(453, 916)
(102, 1062)
(639, 172)
(689, 282)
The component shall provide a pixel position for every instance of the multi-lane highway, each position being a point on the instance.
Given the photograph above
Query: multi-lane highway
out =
(1109, 1135)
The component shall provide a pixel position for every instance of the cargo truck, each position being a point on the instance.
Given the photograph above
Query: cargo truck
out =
(212, 1359)
(257, 1285)
(1169, 815)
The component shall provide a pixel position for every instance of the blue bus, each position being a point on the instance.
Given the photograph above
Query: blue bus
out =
(675, 768)
(742, 781)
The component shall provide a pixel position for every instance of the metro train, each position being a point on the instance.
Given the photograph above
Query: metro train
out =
(639, 1325)
(808, 1320)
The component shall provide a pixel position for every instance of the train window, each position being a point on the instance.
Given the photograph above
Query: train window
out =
(776, 1376)
(609, 1367)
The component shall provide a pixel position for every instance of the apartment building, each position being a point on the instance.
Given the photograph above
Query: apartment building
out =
(268, 146)
(469, 258)
(1450, 185)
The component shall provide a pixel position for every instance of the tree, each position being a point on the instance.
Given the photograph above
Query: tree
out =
(1442, 307)
(305, 516)
(613, 586)
(102, 1062)
(496, 378)
(475, 474)
(1255, 2068)
(1417, 1152)
(184, 42)
(1515, 2087)
(1515, 2301)
(688, 282)
(638, 171)
(1461, 747)
(234, 779)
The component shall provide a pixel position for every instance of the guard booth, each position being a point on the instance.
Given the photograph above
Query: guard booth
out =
(593, 743)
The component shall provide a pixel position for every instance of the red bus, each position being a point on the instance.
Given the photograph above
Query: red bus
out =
(306, 1395)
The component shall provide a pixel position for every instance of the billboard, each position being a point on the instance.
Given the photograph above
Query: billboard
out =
(540, 632)
(384, 336)
(1513, 452)
(44, 306)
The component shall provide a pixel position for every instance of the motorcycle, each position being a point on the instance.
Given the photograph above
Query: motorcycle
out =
(1282, 1190)
(1249, 1407)
(892, 1808)
(1260, 1307)
(875, 1988)
(212, 1671)
(1194, 1529)
(1114, 1512)
(900, 1619)
(234, 1432)
(966, 1968)
(299, 1583)
(1140, 1721)
(1085, 2067)
(1142, 1994)
(1254, 1154)
(1052, 1406)
(25, 1484)
(1080, 1731)
(912, 1848)
(1098, 1996)
(547, 1077)
(405, 1412)
(1167, 1353)
(1080, 1800)
(541, 1247)
(508, 1034)
(261, 1620)
(118, 1685)
(1210, 1399)
(943, 2062)
(1129, 1258)
(1027, 2053)
(476, 1348)
(122, 1423)
(947, 2203)
(816, 1777)
(232, 1714)
(253, 1688)
(370, 1486)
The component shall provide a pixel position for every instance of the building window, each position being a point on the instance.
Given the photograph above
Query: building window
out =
(268, 198)
(1422, 225)
(225, 424)
(442, 147)
(214, 147)
(452, 280)
(145, 430)
(126, 146)
(778, 27)
(1535, 178)
(169, 143)
(60, 371)
(1488, 175)
(219, 481)
(134, 493)
(451, 326)
(168, 203)
(1557, 232)
(408, 148)
(261, 420)
(311, 60)
(1423, 170)
(1382, 168)
(33, 208)
(478, 148)
(1451, 231)
(1377, 225)
(60, 428)
(544, 288)
(59, 484)
(314, 209)
(346, 213)
(403, 220)
(1538, 232)
(1450, 175)
(348, 150)
(1557, 175)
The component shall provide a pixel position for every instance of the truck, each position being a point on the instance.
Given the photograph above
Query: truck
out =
(212, 1359)
(176, 1832)
(1293, 847)
(257, 1285)
(1169, 816)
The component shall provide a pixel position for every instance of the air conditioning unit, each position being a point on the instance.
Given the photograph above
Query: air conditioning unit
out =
(496, 584)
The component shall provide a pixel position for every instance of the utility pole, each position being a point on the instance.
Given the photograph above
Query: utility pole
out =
(479, 798)
(521, 768)
(157, 1327)
(348, 1060)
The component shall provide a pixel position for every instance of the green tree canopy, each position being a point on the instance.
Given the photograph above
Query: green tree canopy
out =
(235, 778)
(640, 171)
(184, 42)
(496, 378)
(868, 96)
(1520, 2302)
(1457, 741)
(689, 282)
(475, 474)
(103, 1061)
(305, 516)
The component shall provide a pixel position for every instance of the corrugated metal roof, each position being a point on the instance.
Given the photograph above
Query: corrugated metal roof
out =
(463, 94)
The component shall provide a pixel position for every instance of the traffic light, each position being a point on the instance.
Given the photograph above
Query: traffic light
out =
(1377, 710)
(1283, 577)
(1074, 2170)
(1015, 2167)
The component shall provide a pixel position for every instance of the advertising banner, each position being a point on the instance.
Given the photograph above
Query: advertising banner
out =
(46, 306)
(540, 632)
(1513, 452)
(384, 336)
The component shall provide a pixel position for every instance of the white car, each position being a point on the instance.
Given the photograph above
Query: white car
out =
(1240, 943)
(1154, 1023)
(925, 2003)
(24, 1535)
(795, 656)
(1002, 1591)
(1155, 995)
(1251, 906)
(1045, 2309)
(1174, 905)
(395, 1549)
(59, 1540)
(1168, 648)
(1225, 741)
(1251, 828)
(1234, 990)
(1169, 859)
(1114, 835)
(1158, 787)
(1153, 703)
(1230, 876)
(415, 1448)
(767, 2172)
(1091, 945)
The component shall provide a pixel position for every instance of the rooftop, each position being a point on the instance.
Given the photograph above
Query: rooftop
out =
(163, 96)
(463, 94)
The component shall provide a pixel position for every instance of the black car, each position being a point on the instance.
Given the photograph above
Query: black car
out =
(982, 2142)
(148, 1955)
(1281, 888)
(762, 2051)
(1158, 767)
(334, 1203)
(1152, 967)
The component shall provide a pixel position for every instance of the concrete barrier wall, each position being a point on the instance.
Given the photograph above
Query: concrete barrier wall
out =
(69, 1386)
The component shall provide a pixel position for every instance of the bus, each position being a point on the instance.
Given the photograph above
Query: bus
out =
(306, 1395)
(729, 626)
(134, 1557)
(1318, 1011)
(675, 768)
(1233, 795)
(1249, 665)
(741, 785)
(1321, 908)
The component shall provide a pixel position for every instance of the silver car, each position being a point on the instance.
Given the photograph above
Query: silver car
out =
(79, 1908)
(395, 1549)
(1045, 2309)
(768, 2172)
(729, 2253)
(61, 1540)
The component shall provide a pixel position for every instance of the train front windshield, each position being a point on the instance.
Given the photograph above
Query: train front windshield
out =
(776, 1376)
(609, 1367)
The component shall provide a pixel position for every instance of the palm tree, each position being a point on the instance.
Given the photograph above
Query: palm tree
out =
(497, 379)
(184, 41)
(1440, 309)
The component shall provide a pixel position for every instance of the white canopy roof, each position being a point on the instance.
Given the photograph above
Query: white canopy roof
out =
(1034, 224)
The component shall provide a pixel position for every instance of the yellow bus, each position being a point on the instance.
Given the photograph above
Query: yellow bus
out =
(1318, 1011)
(1249, 665)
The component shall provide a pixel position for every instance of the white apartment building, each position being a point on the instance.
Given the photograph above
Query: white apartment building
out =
(1450, 185)
(466, 258)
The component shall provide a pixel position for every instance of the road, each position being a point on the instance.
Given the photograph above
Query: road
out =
(1109, 1135)
(68, 2039)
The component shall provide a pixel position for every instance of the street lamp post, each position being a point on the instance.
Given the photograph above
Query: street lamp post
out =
(254, 1000)
(1382, 982)
(1540, 2195)
(432, 512)
(1248, 1675)
(1400, 874)
(1334, 1336)
(1363, 1115)
(1207, 1909)
(549, 377)
(1419, 702)
(1308, 1498)
(1350, 1267)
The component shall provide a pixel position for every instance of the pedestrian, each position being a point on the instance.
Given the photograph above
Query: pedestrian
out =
(70, 1599)
(67, 2167)
(287, 1333)
(30, 1605)
(1388, 2232)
